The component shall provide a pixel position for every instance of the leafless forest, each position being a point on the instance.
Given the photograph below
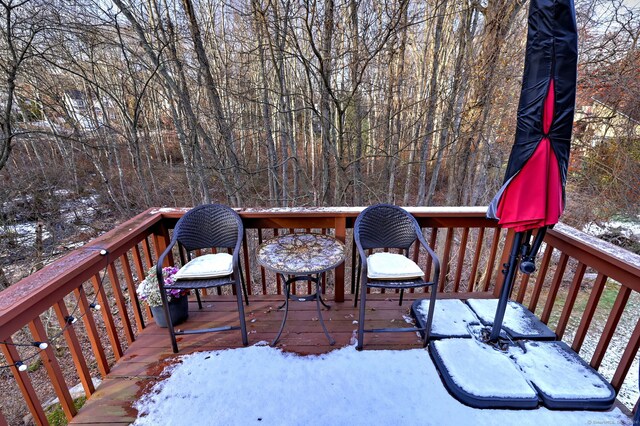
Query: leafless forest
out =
(295, 103)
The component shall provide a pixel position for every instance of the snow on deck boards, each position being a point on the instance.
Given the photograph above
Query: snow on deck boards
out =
(144, 360)
(343, 387)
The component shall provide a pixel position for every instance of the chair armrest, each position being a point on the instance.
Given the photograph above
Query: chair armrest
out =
(161, 261)
(434, 257)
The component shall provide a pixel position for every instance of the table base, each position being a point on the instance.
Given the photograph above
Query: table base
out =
(317, 296)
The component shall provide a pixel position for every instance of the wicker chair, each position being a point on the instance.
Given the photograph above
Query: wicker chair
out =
(387, 226)
(205, 227)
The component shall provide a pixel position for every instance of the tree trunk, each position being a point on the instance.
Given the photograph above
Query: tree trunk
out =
(431, 102)
(325, 101)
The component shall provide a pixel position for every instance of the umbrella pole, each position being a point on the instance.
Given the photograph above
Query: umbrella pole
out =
(510, 275)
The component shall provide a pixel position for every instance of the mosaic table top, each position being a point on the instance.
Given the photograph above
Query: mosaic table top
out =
(299, 254)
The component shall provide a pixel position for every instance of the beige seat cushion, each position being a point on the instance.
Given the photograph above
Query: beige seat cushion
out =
(206, 266)
(390, 266)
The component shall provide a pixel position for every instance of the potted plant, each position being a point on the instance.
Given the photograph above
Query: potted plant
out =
(149, 292)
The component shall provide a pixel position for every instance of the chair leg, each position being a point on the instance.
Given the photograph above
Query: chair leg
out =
(243, 324)
(244, 286)
(432, 306)
(355, 297)
(363, 301)
(167, 315)
(353, 266)
(198, 298)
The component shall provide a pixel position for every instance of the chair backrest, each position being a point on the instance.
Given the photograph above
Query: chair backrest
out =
(207, 226)
(385, 225)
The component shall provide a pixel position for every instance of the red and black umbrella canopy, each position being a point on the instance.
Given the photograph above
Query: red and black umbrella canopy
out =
(532, 196)
(533, 192)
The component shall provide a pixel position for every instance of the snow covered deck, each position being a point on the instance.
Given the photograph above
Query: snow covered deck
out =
(392, 381)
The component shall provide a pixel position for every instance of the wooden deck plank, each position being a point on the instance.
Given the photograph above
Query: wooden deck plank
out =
(145, 359)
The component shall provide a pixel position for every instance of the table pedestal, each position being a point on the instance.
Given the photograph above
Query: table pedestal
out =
(317, 296)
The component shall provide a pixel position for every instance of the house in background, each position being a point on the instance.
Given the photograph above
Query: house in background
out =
(87, 111)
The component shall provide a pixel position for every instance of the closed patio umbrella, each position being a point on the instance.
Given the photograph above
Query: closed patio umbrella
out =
(533, 194)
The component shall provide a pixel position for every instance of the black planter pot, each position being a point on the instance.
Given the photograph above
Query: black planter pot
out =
(178, 309)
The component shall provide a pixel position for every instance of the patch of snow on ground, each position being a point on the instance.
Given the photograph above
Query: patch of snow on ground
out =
(263, 385)
(24, 233)
(450, 317)
(628, 229)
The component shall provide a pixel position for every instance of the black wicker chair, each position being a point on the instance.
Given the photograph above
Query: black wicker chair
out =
(387, 226)
(205, 227)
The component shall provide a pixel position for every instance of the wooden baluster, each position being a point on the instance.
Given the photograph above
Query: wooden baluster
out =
(92, 331)
(53, 369)
(161, 242)
(444, 266)
(572, 294)
(553, 289)
(589, 311)
(131, 287)
(294, 285)
(492, 260)
(107, 316)
(432, 244)
(542, 273)
(476, 260)
(610, 327)
(522, 288)
(74, 347)
(627, 359)
(340, 235)
(263, 277)
(247, 267)
(24, 383)
(278, 283)
(416, 258)
(120, 302)
(137, 262)
(462, 251)
(146, 249)
(504, 259)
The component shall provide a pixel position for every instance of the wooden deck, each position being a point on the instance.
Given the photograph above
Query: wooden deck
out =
(145, 359)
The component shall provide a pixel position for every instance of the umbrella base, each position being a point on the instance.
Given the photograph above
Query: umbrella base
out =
(454, 318)
(519, 322)
(527, 374)
(514, 372)
(490, 381)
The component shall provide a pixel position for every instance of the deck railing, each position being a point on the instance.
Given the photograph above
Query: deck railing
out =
(472, 250)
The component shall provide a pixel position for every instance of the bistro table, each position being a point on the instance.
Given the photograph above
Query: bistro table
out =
(302, 257)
